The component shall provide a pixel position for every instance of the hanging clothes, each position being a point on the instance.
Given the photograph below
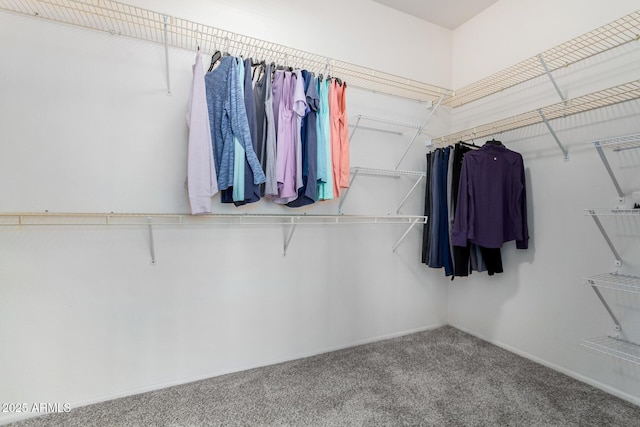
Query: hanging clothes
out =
(270, 129)
(468, 258)
(202, 183)
(443, 224)
(339, 137)
(228, 119)
(309, 139)
(492, 206)
(251, 189)
(299, 110)
(426, 228)
(286, 143)
(259, 97)
(325, 165)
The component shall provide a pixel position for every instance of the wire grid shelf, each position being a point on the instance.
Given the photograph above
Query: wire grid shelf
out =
(604, 98)
(616, 282)
(612, 212)
(95, 219)
(122, 19)
(385, 172)
(602, 39)
(619, 143)
(618, 348)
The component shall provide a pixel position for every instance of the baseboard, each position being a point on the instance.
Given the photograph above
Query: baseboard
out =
(608, 389)
(159, 386)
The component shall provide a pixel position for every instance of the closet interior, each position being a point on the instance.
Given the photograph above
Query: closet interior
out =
(119, 19)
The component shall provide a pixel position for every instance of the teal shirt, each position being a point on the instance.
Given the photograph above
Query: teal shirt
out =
(325, 170)
(239, 153)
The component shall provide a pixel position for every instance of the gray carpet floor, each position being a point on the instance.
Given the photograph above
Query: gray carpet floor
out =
(442, 377)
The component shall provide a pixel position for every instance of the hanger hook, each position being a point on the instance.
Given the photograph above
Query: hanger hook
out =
(196, 34)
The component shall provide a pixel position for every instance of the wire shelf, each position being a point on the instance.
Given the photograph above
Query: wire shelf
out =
(121, 19)
(602, 39)
(616, 282)
(619, 143)
(604, 98)
(95, 219)
(386, 172)
(617, 348)
(612, 212)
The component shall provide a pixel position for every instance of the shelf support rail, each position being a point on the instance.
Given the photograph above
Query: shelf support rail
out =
(355, 128)
(166, 52)
(553, 81)
(346, 193)
(294, 224)
(555, 137)
(419, 131)
(409, 193)
(383, 172)
(607, 166)
(606, 238)
(616, 323)
(413, 224)
(151, 245)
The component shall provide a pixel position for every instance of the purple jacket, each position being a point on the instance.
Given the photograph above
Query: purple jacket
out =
(492, 202)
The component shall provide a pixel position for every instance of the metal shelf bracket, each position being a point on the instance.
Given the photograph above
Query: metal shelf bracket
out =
(420, 129)
(166, 51)
(151, 245)
(553, 81)
(607, 166)
(616, 323)
(618, 260)
(555, 137)
(413, 224)
(294, 224)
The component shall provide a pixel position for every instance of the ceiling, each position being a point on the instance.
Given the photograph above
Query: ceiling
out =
(445, 13)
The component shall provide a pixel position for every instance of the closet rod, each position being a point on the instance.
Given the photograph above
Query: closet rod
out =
(121, 19)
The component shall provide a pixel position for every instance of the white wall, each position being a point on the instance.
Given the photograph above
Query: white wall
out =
(87, 126)
(510, 31)
(540, 307)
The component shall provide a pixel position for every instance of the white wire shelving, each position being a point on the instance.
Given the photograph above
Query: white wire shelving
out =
(614, 347)
(619, 143)
(599, 212)
(600, 99)
(602, 39)
(125, 20)
(616, 282)
(393, 173)
(164, 219)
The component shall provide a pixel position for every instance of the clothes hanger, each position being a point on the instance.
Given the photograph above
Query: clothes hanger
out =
(467, 144)
(494, 142)
(215, 58)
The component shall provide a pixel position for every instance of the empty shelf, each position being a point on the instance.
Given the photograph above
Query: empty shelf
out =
(612, 212)
(385, 172)
(617, 348)
(603, 98)
(619, 143)
(616, 282)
